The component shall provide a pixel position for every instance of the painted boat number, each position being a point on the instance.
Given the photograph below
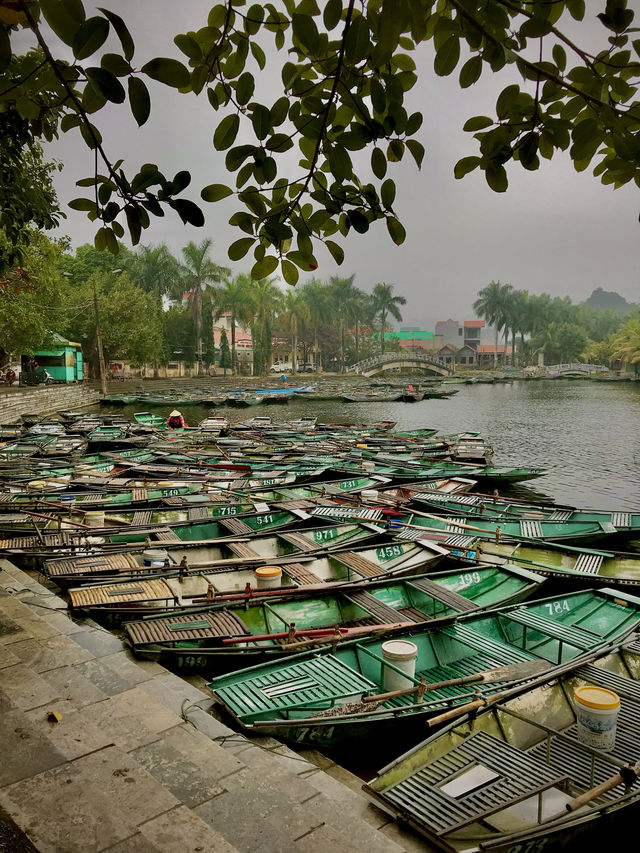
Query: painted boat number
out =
(168, 492)
(469, 579)
(348, 484)
(389, 552)
(324, 535)
(227, 510)
(264, 519)
(555, 608)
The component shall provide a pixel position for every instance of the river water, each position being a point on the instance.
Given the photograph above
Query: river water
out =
(585, 433)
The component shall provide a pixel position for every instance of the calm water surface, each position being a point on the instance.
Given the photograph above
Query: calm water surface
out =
(584, 433)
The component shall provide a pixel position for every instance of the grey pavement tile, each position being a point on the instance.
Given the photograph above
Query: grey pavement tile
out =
(7, 657)
(139, 708)
(187, 781)
(99, 643)
(104, 677)
(181, 831)
(26, 748)
(126, 664)
(25, 688)
(5, 703)
(49, 653)
(8, 626)
(210, 725)
(270, 776)
(259, 819)
(76, 734)
(74, 686)
(327, 838)
(86, 805)
(134, 844)
(202, 751)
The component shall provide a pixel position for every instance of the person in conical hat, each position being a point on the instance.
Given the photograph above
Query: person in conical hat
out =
(176, 420)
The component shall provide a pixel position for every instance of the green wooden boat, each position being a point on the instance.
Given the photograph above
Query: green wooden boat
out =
(149, 419)
(204, 638)
(164, 556)
(316, 698)
(508, 778)
(122, 601)
(514, 510)
(482, 528)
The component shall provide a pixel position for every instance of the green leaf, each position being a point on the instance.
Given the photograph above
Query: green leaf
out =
(559, 56)
(112, 243)
(576, 9)
(395, 151)
(528, 151)
(378, 163)
(357, 41)
(417, 151)
(358, 221)
(497, 178)
(189, 46)
(180, 182)
(261, 121)
(388, 193)
(189, 212)
(289, 272)
(447, 57)
(27, 108)
(5, 48)
(535, 28)
(60, 19)
(470, 71)
(477, 123)
(245, 86)
(100, 239)
(91, 35)
(506, 99)
(378, 96)
(258, 54)
(90, 134)
(332, 14)
(396, 230)
(264, 268)
(215, 192)
(128, 47)
(167, 71)
(107, 84)
(134, 223)
(82, 204)
(226, 132)
(239, 249)
(340, 162)
(337, 252)
(116, 64)
(466, 165)
(236, 156)
(139, 99)
(305, 31)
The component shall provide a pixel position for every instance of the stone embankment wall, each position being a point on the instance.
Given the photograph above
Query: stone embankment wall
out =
(44, 400)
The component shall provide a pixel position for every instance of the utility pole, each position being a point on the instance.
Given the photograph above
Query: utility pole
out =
(103, 375)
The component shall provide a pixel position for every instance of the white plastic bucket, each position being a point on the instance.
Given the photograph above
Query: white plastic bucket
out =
(369, 466)
(597, 712)
(94, 519)
(369, 494)
(154, 557)
(402, 654)
(268, 577)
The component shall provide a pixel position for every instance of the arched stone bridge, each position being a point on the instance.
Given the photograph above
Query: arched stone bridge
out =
(575, 369)
(400, 360)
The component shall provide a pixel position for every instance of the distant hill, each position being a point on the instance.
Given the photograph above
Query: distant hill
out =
(608, 299)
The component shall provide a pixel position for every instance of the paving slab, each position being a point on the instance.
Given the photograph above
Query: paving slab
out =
(186, 781)
(27, 749)
(74, 686)
(97, 641)
(77, 733)
(26, 688)
(216, 761)
(86, 805)
(181, 830)
(50, 653)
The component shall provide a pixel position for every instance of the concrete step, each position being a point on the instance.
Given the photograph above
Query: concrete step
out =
(138, 764)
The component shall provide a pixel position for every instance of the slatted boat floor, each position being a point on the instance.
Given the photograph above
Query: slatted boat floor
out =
(301, 574)
(444, 595)
(381, 611)
(361, 565)
(94, 565)
(187, 626)
(235, 526)
(517, 776)
(299, 541)
(139, 590)
(310, 683)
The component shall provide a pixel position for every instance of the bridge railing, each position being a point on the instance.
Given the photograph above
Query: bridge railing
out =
(575, 367)
(386, 357)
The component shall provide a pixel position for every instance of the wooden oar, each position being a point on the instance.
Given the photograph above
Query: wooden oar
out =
(468, 707)
(510, 672)
(628, 775)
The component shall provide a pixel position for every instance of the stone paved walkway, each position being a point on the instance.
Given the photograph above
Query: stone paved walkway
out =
(123, 772)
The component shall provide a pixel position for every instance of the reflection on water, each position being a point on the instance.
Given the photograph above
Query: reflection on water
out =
(583, 432)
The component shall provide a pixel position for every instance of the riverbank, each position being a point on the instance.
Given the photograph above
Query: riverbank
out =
(15, 402)
(135, 764)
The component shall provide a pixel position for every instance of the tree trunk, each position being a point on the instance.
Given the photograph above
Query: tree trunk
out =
(495, 348)
(513, 346)
(357, 342)
(233, 345)
(294, 354)
(382, 325)
(341, 346)
(315, 346)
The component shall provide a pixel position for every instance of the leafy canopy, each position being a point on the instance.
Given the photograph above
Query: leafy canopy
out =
(346, 68)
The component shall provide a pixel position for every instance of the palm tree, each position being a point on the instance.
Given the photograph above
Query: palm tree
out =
(265, 298)
(198, 273)
(154, 269)
(293, 312)
(384, 304)
(625, 344)
(235, 297)
(315, 294)
(490, 304)
(341, 294)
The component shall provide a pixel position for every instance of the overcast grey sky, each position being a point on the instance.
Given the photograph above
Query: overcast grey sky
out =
(554, 230)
